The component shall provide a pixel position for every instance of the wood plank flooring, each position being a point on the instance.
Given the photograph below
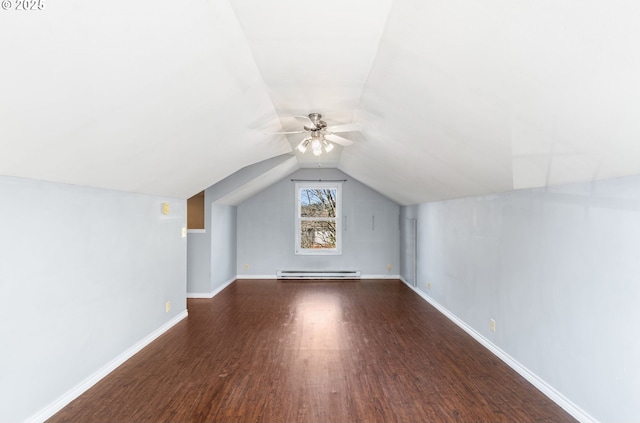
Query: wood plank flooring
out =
(313, 351)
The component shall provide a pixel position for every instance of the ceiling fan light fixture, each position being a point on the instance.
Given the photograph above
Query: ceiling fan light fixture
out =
(327, 146)
(302, 147)
(316, 146)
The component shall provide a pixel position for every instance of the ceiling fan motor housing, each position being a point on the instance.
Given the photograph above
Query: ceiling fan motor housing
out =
(318, 123)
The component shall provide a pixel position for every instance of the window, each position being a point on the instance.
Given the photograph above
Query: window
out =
(318, 229)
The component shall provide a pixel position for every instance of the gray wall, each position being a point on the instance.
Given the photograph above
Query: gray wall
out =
(211, 259)
(558, 269)
(212, 255)
(199, 258)
(223, 245)
(266, 230)
(84, 275)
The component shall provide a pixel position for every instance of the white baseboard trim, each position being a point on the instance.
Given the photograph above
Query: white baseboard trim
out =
(257, 276)
(568, 406)
(75, 392)
(200, 294)
(386, 276)
(212, 293)
(406, 282)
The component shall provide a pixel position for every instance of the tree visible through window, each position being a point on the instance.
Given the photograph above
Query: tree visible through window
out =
(318, 229)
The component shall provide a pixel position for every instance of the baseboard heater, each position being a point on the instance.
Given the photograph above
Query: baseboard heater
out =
(318, 274)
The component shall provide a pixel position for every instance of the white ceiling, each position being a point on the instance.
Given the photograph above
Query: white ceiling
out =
(457, 98)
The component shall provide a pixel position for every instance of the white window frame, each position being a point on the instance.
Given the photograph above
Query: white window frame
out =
(338, 219)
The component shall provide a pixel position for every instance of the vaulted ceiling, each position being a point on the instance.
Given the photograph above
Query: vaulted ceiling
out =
(456, 98)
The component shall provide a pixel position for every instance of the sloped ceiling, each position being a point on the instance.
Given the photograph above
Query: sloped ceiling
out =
(457, 98)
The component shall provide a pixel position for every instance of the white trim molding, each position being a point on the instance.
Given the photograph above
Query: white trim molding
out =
(568, 406)
(361, 277)
(256, 276)
(200, 294)
(212, 293)
(79, 389)
(395, 277)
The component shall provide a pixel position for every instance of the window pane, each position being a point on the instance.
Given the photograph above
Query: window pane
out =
(318, 202)
(317, 234)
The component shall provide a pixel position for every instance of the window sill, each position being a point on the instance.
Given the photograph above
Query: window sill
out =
(318, 253)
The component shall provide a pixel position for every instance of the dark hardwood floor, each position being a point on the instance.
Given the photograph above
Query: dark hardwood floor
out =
(306, 351)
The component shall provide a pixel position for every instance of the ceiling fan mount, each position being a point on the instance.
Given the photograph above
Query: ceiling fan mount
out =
(316, 120)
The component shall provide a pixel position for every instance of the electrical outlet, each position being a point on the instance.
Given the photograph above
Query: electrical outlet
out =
(167, 306)
(428, 285)
(184, 232)
(492, 325)
(246, 266)
(389, 267)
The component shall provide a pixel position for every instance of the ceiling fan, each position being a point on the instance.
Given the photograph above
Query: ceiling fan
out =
(320, 135)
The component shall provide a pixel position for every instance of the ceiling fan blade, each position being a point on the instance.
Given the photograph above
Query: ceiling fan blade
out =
(347, 127)
(286, 132)
(338, 139)
(305, 120)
